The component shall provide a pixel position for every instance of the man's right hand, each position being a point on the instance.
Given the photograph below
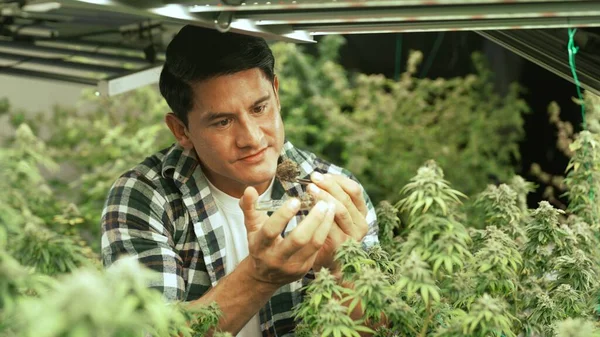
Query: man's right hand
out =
(277, 260)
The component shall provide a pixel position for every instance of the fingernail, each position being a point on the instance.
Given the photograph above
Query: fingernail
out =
(330, 207)
(317, 177)
(294, 204)
(314, 189)
(322, 206)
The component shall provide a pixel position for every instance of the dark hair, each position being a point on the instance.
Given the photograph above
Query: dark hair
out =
(198, 53)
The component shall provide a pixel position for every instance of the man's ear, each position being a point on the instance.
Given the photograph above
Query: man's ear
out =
(276, 90)
(179, 130)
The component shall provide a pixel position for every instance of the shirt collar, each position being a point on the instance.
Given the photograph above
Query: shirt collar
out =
(179, 163)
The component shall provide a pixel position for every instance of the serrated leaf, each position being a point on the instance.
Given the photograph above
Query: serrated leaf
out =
(442, 204)
(428, 202)
(425, 294)
(484, 267)
(448, 265)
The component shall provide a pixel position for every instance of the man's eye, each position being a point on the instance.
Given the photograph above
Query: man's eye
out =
(223, 122)
(260, 108)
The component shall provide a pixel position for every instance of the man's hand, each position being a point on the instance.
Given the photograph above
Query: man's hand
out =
(277, 260)
(350, 214)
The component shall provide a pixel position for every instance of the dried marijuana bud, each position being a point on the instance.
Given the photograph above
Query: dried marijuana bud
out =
(288, 170)
(307, 200)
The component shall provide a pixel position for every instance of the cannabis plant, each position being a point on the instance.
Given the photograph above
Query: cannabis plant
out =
(51, 283)
(28, 209)
(494, 268)
(556, 185)
(116, 302)
(95, 143)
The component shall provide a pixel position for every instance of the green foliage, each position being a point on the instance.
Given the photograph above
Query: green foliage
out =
(99, 142)
(575, 328)
(382, 129)
(16, 281)
(389, 224)
(583, 177)
(114, 303)
(353, 258)
(26, 197)
(49, 252)
(28, 208)
(517, 272)
(427, 189)
(51, 283)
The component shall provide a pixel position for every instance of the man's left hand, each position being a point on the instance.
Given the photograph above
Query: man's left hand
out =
(350, 214)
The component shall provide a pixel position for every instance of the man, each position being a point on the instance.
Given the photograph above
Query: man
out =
(189, 211)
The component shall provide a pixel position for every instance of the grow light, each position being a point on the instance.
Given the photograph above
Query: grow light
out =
(97, 32)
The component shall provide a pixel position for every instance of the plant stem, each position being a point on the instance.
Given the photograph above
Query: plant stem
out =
(413, 330)
(427, 320)
(515, 303)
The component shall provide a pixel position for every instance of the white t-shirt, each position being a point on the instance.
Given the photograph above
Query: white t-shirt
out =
(236, 241)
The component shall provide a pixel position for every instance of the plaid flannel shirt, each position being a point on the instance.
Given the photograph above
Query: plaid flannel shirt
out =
(161, 212)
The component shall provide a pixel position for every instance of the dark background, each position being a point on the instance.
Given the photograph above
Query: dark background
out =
(448, 54)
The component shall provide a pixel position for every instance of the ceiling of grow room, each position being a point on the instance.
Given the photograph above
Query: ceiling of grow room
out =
(119, 45)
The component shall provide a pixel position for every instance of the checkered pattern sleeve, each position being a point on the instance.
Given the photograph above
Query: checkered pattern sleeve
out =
(135, 222)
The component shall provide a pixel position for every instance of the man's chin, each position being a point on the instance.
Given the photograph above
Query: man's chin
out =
(261, 180)
(260, 177)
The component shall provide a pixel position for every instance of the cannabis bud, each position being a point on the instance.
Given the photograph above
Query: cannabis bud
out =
(288, 170)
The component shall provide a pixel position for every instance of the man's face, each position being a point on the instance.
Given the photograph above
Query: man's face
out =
(236, 129)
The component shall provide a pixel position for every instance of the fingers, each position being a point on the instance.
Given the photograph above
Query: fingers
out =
(311, 232)
(353, 189)
(342, 216)
(344, 189)
(347, 216)
(320, 236)
(326, 227)
(276, 223)
(253, 219)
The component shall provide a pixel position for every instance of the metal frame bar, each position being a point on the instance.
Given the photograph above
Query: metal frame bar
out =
(460, 25)
(28, 49)
(11, 61)
(110, 50)
(552, 59)
(291, 5)
(48, 76)
(425, 13)
(122, 83)
(243, 26)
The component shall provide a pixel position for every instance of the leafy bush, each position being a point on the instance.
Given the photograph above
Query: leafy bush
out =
(95, 144)
(51, 283)
(525, 273)
(556, 185)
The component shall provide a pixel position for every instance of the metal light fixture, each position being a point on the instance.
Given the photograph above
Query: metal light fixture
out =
(288, 20)
(41, 6)
(122, 83)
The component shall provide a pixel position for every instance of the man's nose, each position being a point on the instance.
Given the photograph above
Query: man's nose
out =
(249, 133)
